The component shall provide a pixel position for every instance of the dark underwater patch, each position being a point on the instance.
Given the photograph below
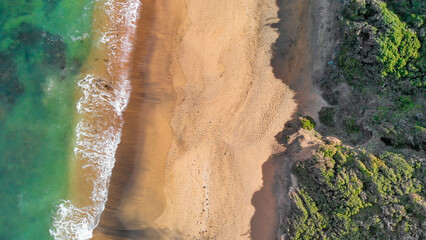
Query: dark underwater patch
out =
(29, 39)
(50, 5)
(10, 88)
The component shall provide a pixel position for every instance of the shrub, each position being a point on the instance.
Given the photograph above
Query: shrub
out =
(351, 126)
(307, 122)
(398, 45)
(326, 116)
(347, 199)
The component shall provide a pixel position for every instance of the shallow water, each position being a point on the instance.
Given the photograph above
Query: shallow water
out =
(43, 44)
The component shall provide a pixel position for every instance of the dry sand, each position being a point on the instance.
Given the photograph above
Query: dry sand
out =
(229, 107)
(201, 122)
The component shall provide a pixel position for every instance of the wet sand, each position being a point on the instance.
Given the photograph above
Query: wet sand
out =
(136, 195)
(203, 114)
(97, 118)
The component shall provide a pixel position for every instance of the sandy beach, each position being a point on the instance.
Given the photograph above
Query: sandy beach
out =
(229, 107)
(203, 114)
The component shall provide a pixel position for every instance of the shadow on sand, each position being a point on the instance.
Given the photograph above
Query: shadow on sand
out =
(293, 54)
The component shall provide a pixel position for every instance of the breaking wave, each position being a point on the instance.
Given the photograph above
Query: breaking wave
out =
(99, 131)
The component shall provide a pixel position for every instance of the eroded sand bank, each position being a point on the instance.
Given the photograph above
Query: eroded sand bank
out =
(201, 122)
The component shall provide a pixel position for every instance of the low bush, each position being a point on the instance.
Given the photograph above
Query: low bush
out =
(307, 122)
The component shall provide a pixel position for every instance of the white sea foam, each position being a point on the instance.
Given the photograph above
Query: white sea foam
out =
(99, 130)
(78, 37)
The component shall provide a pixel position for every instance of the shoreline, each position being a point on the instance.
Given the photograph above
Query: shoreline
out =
(136, 196)
(102, 96)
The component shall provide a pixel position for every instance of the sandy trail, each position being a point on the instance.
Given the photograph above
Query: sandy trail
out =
(201, 122)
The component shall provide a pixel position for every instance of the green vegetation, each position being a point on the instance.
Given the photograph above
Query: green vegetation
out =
(307, 122)
(398, 45)
(348, 193)
(382, 59)
(378, 47)
(351, 126)
(413, 12)
(326, 116)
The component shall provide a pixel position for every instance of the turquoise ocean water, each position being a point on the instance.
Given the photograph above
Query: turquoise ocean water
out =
(43, 44)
